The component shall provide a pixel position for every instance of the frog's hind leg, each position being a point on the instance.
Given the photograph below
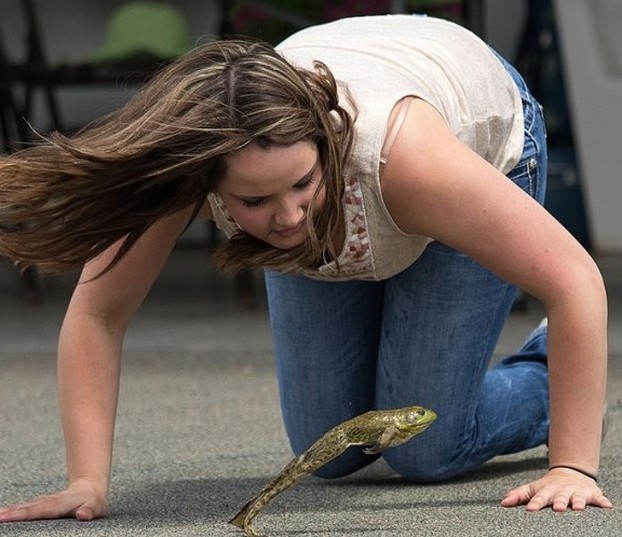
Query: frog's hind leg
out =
(325, 449)
(291, 474)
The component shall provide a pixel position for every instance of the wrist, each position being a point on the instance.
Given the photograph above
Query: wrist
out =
(577, 470)
(99, 486)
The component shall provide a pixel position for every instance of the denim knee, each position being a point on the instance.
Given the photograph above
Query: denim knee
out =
(422, 467)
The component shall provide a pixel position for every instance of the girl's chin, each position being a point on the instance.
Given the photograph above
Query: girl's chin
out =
(287, 243)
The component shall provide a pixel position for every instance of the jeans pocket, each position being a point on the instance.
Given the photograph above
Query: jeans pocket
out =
(525, 175)
(530, 172)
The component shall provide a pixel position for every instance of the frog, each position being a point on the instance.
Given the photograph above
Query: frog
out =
(376, 430)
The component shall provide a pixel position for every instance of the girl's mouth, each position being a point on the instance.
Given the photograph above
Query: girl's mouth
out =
(290, 231)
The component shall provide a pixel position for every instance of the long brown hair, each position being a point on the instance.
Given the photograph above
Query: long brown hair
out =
(66, 199)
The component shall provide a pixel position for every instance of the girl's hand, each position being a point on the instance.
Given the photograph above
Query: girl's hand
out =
(560, 488)
(80, 500)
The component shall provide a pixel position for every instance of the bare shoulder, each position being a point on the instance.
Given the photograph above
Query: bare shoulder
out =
(425, 157)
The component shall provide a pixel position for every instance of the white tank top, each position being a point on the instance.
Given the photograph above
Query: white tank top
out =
(382, 59)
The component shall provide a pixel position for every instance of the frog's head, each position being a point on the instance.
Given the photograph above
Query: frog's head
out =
(414, 419)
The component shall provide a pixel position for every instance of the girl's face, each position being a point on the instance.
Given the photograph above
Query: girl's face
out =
(268, 191)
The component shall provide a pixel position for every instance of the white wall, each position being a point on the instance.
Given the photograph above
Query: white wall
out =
(504, 25)
(591, 43)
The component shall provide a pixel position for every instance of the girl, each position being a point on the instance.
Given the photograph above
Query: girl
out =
(387, 172)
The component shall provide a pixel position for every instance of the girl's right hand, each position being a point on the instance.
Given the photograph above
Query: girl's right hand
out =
(80, 500)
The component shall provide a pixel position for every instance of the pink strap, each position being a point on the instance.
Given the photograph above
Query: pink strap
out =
(394, 130)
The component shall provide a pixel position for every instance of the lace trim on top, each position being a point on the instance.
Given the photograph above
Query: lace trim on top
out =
(356, 257)
(229, 226)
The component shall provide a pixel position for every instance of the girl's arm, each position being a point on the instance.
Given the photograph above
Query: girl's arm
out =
(88, 370)
(435, 186)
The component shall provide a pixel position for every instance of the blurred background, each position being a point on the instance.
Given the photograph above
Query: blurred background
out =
(64, 63)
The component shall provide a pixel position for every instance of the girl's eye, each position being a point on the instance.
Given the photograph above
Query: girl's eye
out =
(301, 185)
(306, 183)
(253, 202)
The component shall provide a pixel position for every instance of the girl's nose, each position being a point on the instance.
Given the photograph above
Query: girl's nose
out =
(289, 215)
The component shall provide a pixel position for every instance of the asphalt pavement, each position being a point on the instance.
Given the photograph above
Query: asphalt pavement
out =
(199, 428)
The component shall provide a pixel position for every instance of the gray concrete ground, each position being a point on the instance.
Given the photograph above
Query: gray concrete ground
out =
(199, 429)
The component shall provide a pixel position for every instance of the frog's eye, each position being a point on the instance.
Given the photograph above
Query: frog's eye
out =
(413, 417)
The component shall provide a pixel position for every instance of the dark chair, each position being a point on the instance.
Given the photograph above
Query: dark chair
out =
(14, 131)
(9, 114)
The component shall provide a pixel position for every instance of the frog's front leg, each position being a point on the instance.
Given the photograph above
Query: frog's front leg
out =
(387, 439)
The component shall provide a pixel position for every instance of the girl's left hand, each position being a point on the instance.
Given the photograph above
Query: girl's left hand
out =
(561, 489)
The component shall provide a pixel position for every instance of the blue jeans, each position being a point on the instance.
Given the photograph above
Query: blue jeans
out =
(424, 336)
